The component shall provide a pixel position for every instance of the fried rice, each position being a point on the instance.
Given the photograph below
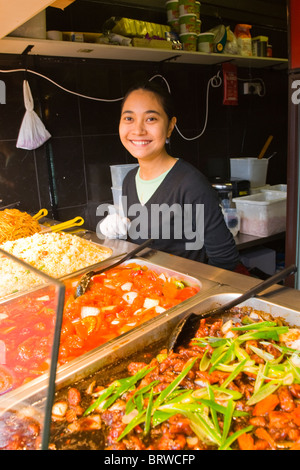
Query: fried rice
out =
(56, 254)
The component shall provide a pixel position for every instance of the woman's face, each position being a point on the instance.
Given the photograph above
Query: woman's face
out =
(144, 125)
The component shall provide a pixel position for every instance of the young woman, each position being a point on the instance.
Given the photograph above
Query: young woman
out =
(165, 198)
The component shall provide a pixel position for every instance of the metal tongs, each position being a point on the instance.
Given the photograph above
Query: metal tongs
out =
(189, 324)
(84, 282)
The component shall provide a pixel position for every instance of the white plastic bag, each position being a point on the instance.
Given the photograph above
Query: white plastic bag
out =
(32, 133)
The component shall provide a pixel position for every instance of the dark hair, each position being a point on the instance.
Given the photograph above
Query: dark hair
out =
(161, 93)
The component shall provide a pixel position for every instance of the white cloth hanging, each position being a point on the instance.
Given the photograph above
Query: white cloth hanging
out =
(32, 133)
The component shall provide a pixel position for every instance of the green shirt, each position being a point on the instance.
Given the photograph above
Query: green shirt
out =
(145, 188)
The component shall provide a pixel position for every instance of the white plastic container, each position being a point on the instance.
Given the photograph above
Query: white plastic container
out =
(278, 187)
(118, 173)
(117, 195)
(205, 42)
(232, 220)
(262, 214)
(260, 189)
(251, 169)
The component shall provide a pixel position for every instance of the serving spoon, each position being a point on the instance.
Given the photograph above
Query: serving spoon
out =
(84, 282)
(188, 325)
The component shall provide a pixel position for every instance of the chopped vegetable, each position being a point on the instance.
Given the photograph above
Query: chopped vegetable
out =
(221, 392)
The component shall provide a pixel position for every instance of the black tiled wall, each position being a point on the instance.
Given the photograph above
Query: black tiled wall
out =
(70, 174)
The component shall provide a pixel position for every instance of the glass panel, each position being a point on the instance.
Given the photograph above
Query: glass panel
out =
(30, 324)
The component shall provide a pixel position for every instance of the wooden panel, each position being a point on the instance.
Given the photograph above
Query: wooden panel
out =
(294, 18)
(14, 13)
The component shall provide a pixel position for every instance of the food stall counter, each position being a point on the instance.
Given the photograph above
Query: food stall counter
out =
(218, 281)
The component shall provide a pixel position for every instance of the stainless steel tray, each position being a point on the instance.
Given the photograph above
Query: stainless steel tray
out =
(151, 336)
(289, 315)
(116, 348)
(159, 329)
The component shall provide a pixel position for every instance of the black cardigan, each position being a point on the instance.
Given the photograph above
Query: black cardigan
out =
(184, 186)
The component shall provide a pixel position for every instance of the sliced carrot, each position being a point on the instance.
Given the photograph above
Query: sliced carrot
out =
(296, 446)
(266, 405)
(261, 433)
(246, 442)
(296, 416)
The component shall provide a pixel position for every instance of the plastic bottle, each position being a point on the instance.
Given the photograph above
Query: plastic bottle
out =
(243, 36)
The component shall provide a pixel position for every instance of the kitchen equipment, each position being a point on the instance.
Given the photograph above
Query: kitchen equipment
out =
(189, 324)
(240, 187)
(38, 386)
(265, 147)
(13, 204)
(117, 197)
(77, 221)
(276, 187)
(112, 358)
(252, 169)
(46, 301)
(232, 220)
(262, 214)
(118, 173)
(40, 214)
(85, 280)
(224, 190)
(272, 155)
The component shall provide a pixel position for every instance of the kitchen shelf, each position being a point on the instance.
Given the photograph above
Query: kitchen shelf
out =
(16, 45)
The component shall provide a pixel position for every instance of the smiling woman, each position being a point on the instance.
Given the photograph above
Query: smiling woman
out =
(144, 128)
(163, 183)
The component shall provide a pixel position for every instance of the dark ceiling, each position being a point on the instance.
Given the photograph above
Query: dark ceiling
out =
(266, 12)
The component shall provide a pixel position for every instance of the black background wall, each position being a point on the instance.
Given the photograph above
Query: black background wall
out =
(70, 174)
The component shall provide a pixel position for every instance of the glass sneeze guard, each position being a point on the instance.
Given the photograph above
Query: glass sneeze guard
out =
(30, 326)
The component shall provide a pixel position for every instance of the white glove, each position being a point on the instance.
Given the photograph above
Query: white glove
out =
(114, 226)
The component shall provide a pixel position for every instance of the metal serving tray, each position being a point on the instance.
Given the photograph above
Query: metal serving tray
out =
(115, 349)
(153, 336)
(158, 330)
(99, 265)
(114, 356)
(289, 315)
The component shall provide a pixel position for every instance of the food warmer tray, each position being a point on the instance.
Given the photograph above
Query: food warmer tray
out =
(154, 334)
(116, 348)
(113, 357)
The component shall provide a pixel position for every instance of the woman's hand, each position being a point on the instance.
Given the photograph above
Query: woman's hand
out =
(114, 226)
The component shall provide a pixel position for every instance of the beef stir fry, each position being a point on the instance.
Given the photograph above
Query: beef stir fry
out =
(236, 386)
(19, 430)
